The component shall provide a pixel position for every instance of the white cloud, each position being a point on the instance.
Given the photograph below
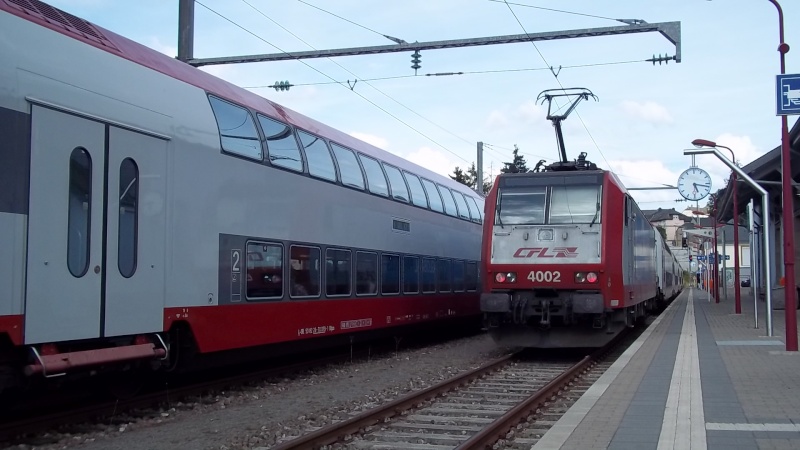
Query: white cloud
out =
(434, 160)
(377, 141)
(497, 119)
(156, 44)
(742, 147)
(648, 111)
(530, 112)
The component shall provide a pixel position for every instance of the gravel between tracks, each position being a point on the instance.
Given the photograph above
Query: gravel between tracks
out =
(259, 416)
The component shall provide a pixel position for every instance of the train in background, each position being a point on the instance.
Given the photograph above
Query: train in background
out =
(150, 210)
(569, 259)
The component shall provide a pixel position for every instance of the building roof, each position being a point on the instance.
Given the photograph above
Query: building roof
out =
(658, 215)
(765, 170)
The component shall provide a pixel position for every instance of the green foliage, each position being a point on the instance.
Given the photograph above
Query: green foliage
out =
(663, 231)
(518, 165)
(470, 177)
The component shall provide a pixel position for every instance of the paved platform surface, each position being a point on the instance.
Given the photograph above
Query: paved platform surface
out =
(699, 377)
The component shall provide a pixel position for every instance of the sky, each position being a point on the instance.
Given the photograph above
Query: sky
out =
(723, 90)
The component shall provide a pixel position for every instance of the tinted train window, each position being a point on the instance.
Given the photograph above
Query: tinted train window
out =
(479, 217)
(304, 271)
(318, 157)
(398, 185)
(473, 210)
(376, 181)
(264, 270)
(443, 275)
(390, 274)
(366, 273)
(337, 272)
(428, 275)
(410, 274)
(449, 203)
(417, 192)
(128, 217)
(458, 276)
(575, 204)
(463, 212)
(80, 211)
(471, 274)
(348, 167)
(281, 144)
(433, 195)
(237, 130)
(521, 206)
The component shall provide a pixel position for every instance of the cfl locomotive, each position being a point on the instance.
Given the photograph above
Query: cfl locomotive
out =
(569, 259)
(148, 207)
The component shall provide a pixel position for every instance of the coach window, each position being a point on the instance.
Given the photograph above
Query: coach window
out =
(463, 212)
(417, 192)
(337, 272)
(281, 144)
(473, 210)
(410, 274)
(521, 206)
(80, 211)
(433, 195)
(366, 273)
(128, 214)
(318, 157)
(304, 271)
(471, 275)
(443, 275)
(349, 169)
(449, 203)
(479, 217)
(237, 131)
(458, 276)
(575, 204)
(397, 183)
(428, 275)
(390, 274)
(264, 270)
(376, 180)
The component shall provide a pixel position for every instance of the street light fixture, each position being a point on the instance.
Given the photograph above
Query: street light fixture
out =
(736, 289)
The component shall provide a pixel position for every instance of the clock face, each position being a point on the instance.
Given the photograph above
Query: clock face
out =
(694, 183)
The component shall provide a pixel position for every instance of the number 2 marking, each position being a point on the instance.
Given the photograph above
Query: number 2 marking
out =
(236, 256)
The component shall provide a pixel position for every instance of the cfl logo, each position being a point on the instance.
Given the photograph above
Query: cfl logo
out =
(546, 252)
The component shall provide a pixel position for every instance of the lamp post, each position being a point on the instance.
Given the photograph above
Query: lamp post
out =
(736, 291)
(765, 214)
(788, 209)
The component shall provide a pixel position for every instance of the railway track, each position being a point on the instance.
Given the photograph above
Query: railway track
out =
(506, 400)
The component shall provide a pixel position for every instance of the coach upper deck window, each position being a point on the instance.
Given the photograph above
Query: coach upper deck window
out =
(449, 203)
(349, 169)
(433, 195)
(479, 217)
(521, 205)
(237, 131)
(318, 157)
(396, 182)
(417, 192)
(575, 204)
(281, 145)
(463, 211)
(376, 180)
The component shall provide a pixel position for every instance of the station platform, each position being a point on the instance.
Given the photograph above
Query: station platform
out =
(699, 377)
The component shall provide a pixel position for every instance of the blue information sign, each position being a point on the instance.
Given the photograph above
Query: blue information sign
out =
(788, 94)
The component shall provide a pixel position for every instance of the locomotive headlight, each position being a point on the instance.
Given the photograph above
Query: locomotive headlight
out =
(545, 234)
(505, 277)
(585, 277)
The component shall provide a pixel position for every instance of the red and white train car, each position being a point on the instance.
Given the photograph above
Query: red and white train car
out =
(147, 206)
(568, 258)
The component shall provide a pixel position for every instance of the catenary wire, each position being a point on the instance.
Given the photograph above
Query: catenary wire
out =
(331, 78)
(553, 10)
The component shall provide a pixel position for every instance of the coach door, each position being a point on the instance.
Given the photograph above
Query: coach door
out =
(95, 263)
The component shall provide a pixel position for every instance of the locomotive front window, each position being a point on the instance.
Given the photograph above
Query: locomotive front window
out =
(575, 204)
(237, 131)
(281, 144)
(522, 206)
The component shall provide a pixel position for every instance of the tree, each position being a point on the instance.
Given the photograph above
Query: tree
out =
(518, 165)
(663, 231)
(462, 177)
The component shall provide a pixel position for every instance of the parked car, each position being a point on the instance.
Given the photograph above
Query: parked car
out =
(746, 282)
